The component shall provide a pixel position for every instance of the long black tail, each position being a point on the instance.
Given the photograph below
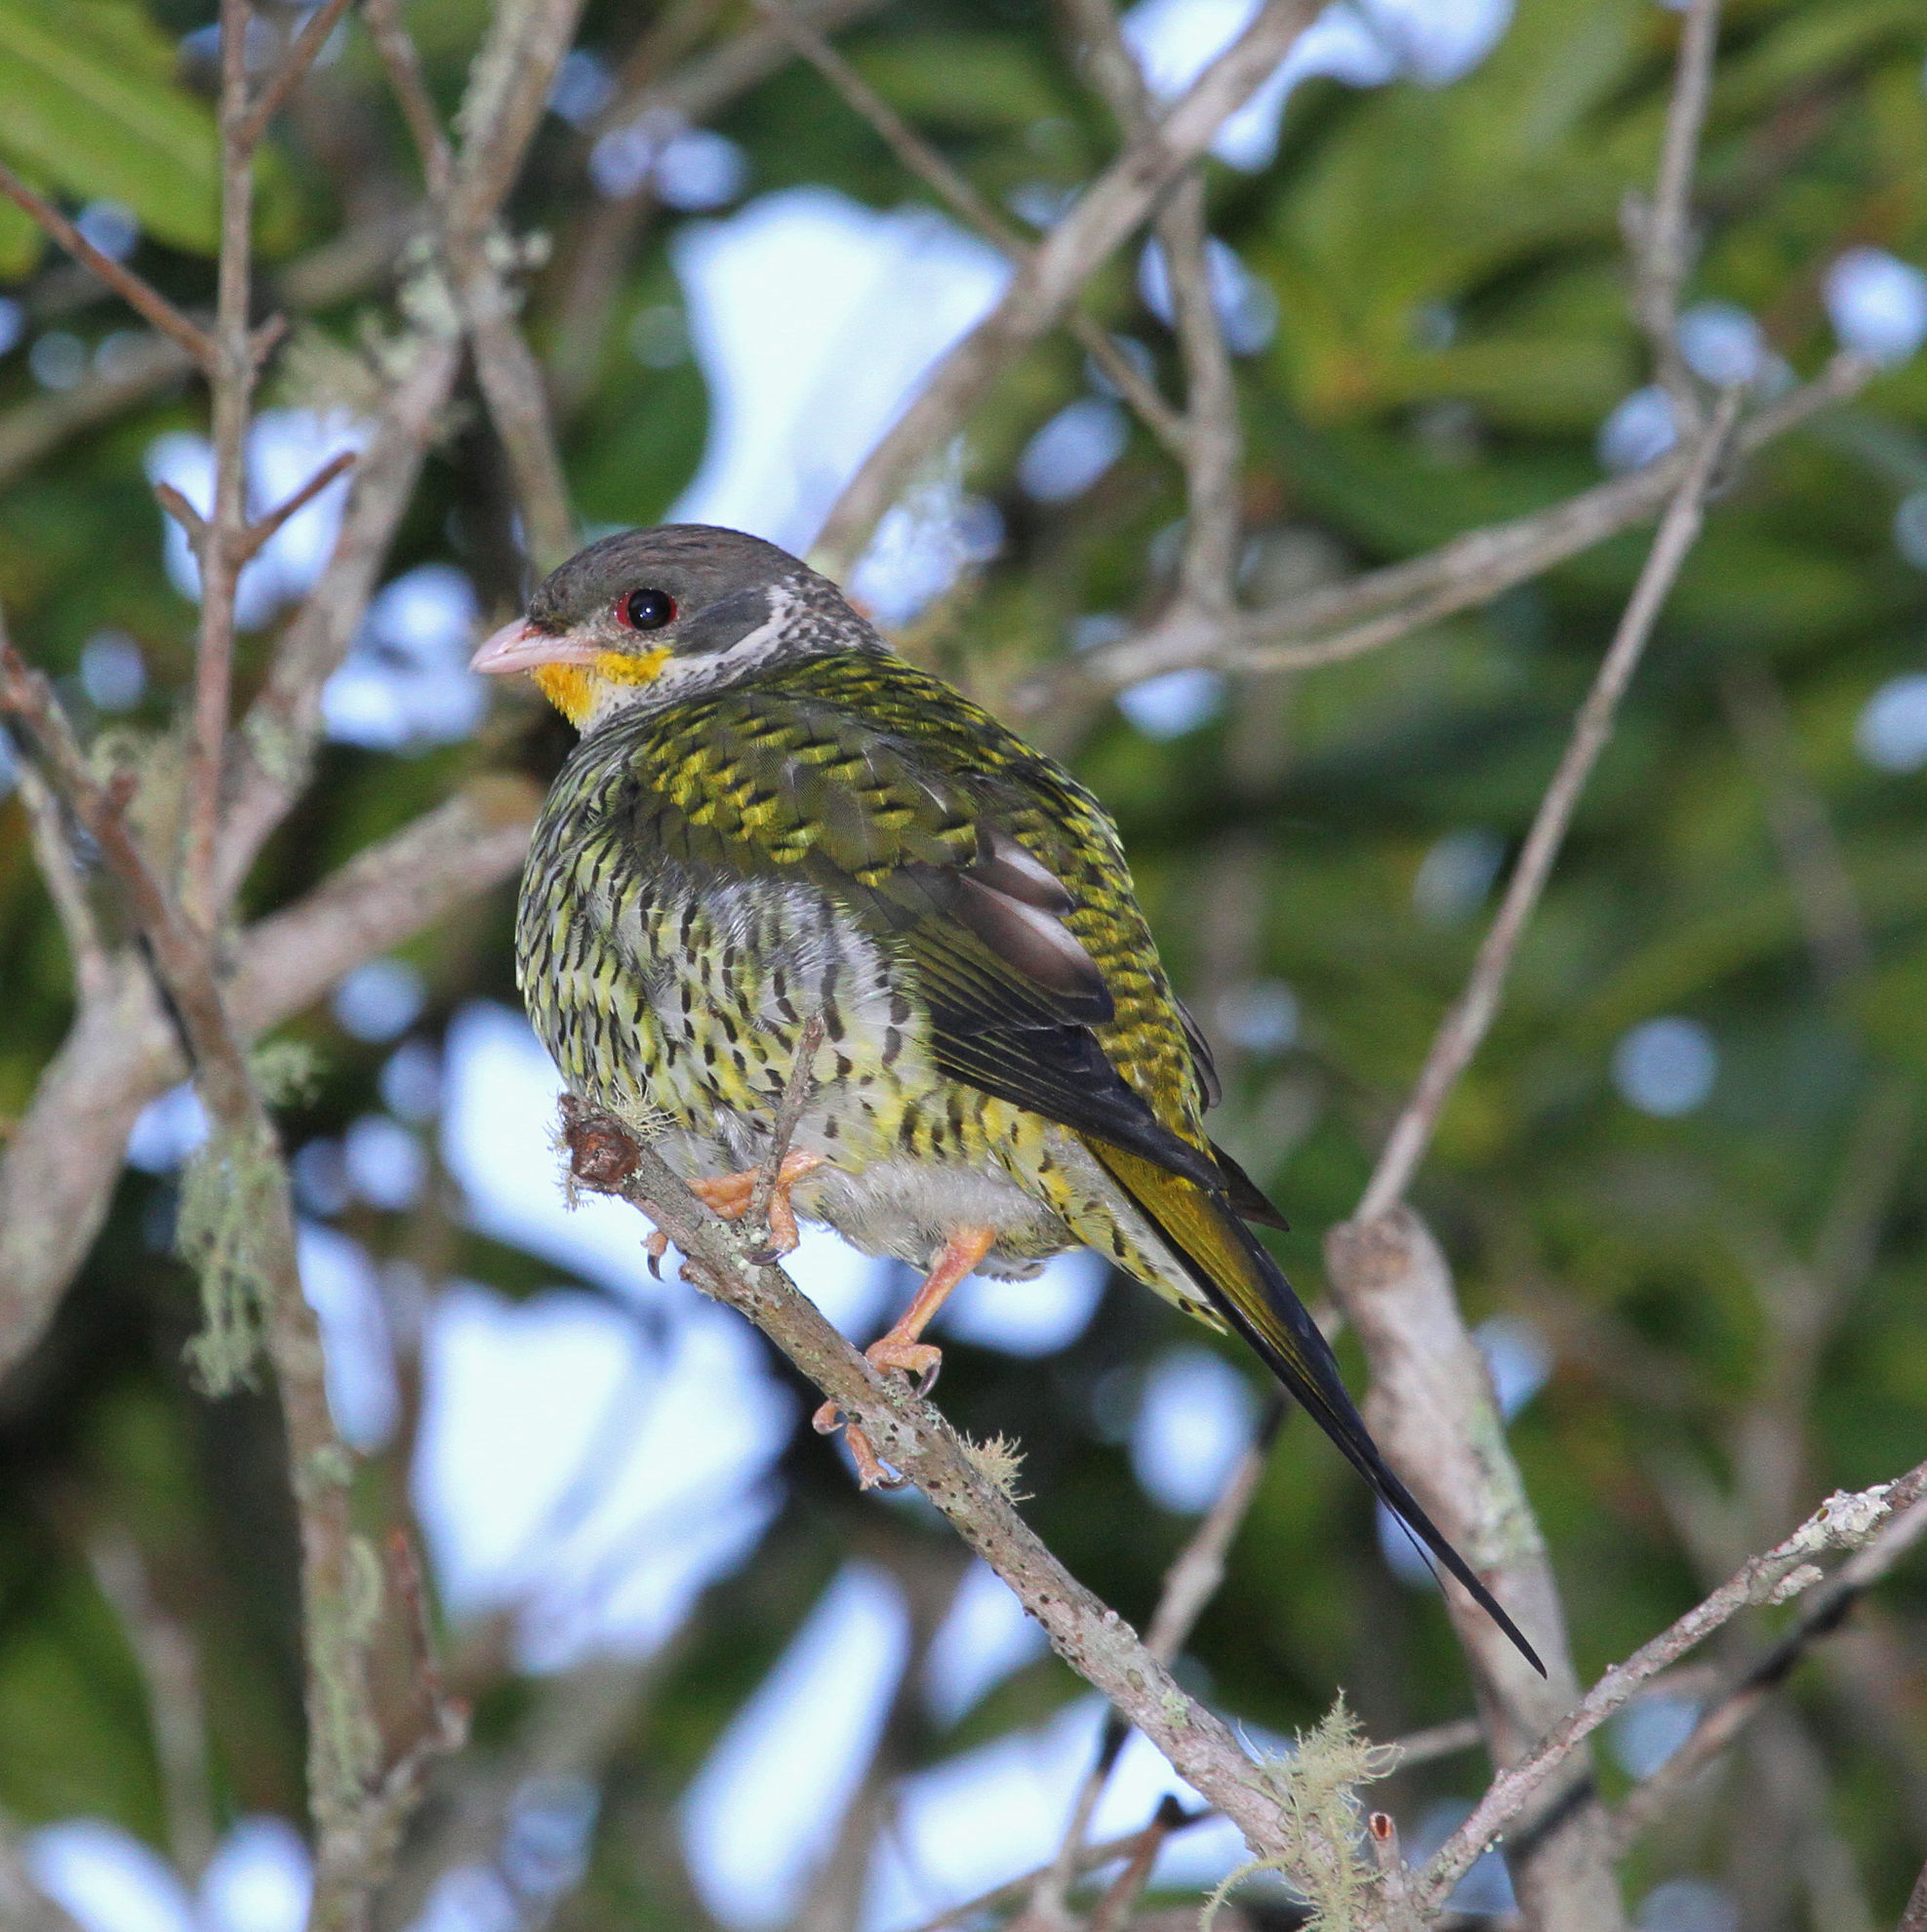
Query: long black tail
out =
(1243, 1283)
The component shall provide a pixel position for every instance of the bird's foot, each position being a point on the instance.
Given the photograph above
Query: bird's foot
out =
(656, 1247)
(730, 1197)
(920, 1360)
(904, 1349)
(872, 1472)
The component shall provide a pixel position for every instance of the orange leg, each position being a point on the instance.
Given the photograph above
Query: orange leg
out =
(730, 1194)
(903, 1347)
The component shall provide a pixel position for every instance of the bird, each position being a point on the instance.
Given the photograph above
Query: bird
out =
(783, 863)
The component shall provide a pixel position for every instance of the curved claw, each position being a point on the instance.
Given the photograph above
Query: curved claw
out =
(919, 1360)
(872, 1472)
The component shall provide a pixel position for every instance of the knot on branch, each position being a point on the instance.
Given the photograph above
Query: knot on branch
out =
(1385, 1252)
(603, 1154)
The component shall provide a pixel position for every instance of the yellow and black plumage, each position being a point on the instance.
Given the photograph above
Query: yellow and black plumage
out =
(776, 828)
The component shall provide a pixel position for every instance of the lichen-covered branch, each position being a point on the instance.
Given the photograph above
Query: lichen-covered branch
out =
(914, 1438)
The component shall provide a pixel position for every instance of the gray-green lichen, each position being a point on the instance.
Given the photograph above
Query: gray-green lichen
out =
(1320, 1822)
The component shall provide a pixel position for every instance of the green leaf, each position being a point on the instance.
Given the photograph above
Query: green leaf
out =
(90, 101)
(21, 242)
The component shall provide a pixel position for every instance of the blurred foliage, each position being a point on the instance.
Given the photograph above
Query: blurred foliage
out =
(1453, 328)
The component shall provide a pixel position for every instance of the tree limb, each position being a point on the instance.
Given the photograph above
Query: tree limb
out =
(1043, 288)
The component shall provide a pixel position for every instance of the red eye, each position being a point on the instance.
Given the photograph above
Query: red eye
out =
(647, 610)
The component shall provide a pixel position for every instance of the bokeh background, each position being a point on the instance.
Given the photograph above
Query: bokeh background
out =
(1682, 1188)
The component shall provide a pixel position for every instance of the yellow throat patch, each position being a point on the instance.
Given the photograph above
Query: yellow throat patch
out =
(575, 689)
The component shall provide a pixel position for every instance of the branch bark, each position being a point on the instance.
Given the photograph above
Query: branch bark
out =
(1842, 1522)
(1041, 291)
(61, 1164)
(1433, 1411)
(1348, 620)
(916, 1440)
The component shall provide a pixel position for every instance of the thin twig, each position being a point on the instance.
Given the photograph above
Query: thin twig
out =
(1207, 568)
(1189, 1584)
(258, 533)
(396, 47)
(1841, 1522)
(951, 187)
(231, 379)
(1471, 1015)
(1214, 444)
(1192, 1581)
(298, 59)
(797, 1093)
(163, 1654)
(1116, 1908)
(192, 523)
(1044, 288)
(139, 293)
(60, 872)
(1662, 231)
(1823, 1613)
(914, 1438)
(1345, 620)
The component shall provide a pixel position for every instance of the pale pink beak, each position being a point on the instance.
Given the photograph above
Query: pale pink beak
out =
(518, 646)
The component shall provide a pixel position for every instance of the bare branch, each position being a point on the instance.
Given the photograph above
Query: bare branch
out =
(192, 523)
(170, 1672)
(1348, 620)
(469, 193)
(1431, 1410)
(1194, 1580)
(508, 89)
(231, 377)
(60, 872)
(1189, 1584)
(929, 167)
(517, 397)
(1114, 1909)
(1212, 449)
(1207, 570)
(1728, 1713)
(139, 293)
(1662, 232)
(1466, 1026)
(913, 1437)
(695, 91)
(60, 1165)
(300, 57)
(145, 366)
(1842, 1522)
(396, 47)
(259, 533)
(277, 736)
(1044, 286)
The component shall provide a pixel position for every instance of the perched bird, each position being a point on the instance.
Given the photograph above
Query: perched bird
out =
(776, 834)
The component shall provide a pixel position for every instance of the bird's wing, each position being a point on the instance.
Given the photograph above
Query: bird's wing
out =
(1001, 885)
(1004, 885)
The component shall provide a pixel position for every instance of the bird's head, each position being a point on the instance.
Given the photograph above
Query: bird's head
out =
(651, 616)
